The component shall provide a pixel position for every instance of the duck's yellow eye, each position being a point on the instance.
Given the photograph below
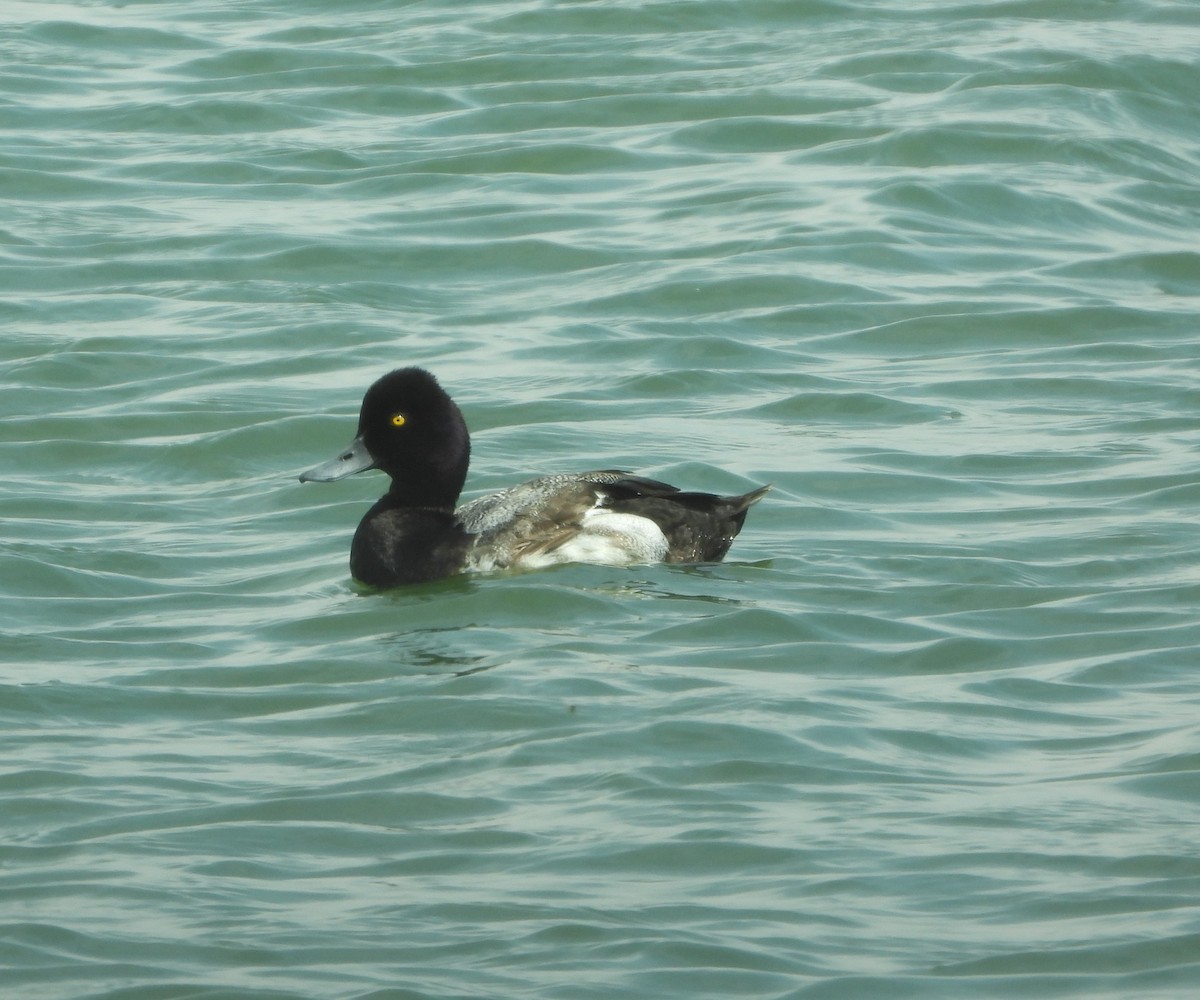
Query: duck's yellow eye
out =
(399, 420)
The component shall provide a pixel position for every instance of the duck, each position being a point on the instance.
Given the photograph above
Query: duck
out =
(417, 532)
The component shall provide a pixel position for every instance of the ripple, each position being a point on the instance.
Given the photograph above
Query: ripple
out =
(928, 731)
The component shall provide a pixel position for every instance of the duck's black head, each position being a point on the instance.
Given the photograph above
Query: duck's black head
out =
(412, 430)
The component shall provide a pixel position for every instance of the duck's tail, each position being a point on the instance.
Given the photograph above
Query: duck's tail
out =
(747, 500)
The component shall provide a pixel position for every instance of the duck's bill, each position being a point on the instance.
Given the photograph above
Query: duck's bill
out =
(354, 459)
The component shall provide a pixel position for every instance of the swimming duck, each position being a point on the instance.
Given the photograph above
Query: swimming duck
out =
(412, 430)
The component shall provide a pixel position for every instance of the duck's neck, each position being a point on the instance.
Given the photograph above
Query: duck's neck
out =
(429, 486)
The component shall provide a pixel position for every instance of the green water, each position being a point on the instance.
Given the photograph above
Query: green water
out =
(930, 731)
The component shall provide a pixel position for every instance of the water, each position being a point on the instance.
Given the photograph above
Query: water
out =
(931, 269)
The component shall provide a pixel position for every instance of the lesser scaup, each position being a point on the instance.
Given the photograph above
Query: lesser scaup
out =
(412, 430)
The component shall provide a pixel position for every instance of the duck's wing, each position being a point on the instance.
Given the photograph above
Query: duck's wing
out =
(607, 516)
(548, 493)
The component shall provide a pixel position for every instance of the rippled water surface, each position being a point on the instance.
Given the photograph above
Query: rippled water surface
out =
(931, 731)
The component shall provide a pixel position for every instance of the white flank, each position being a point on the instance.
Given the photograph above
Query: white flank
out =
(608, 538)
